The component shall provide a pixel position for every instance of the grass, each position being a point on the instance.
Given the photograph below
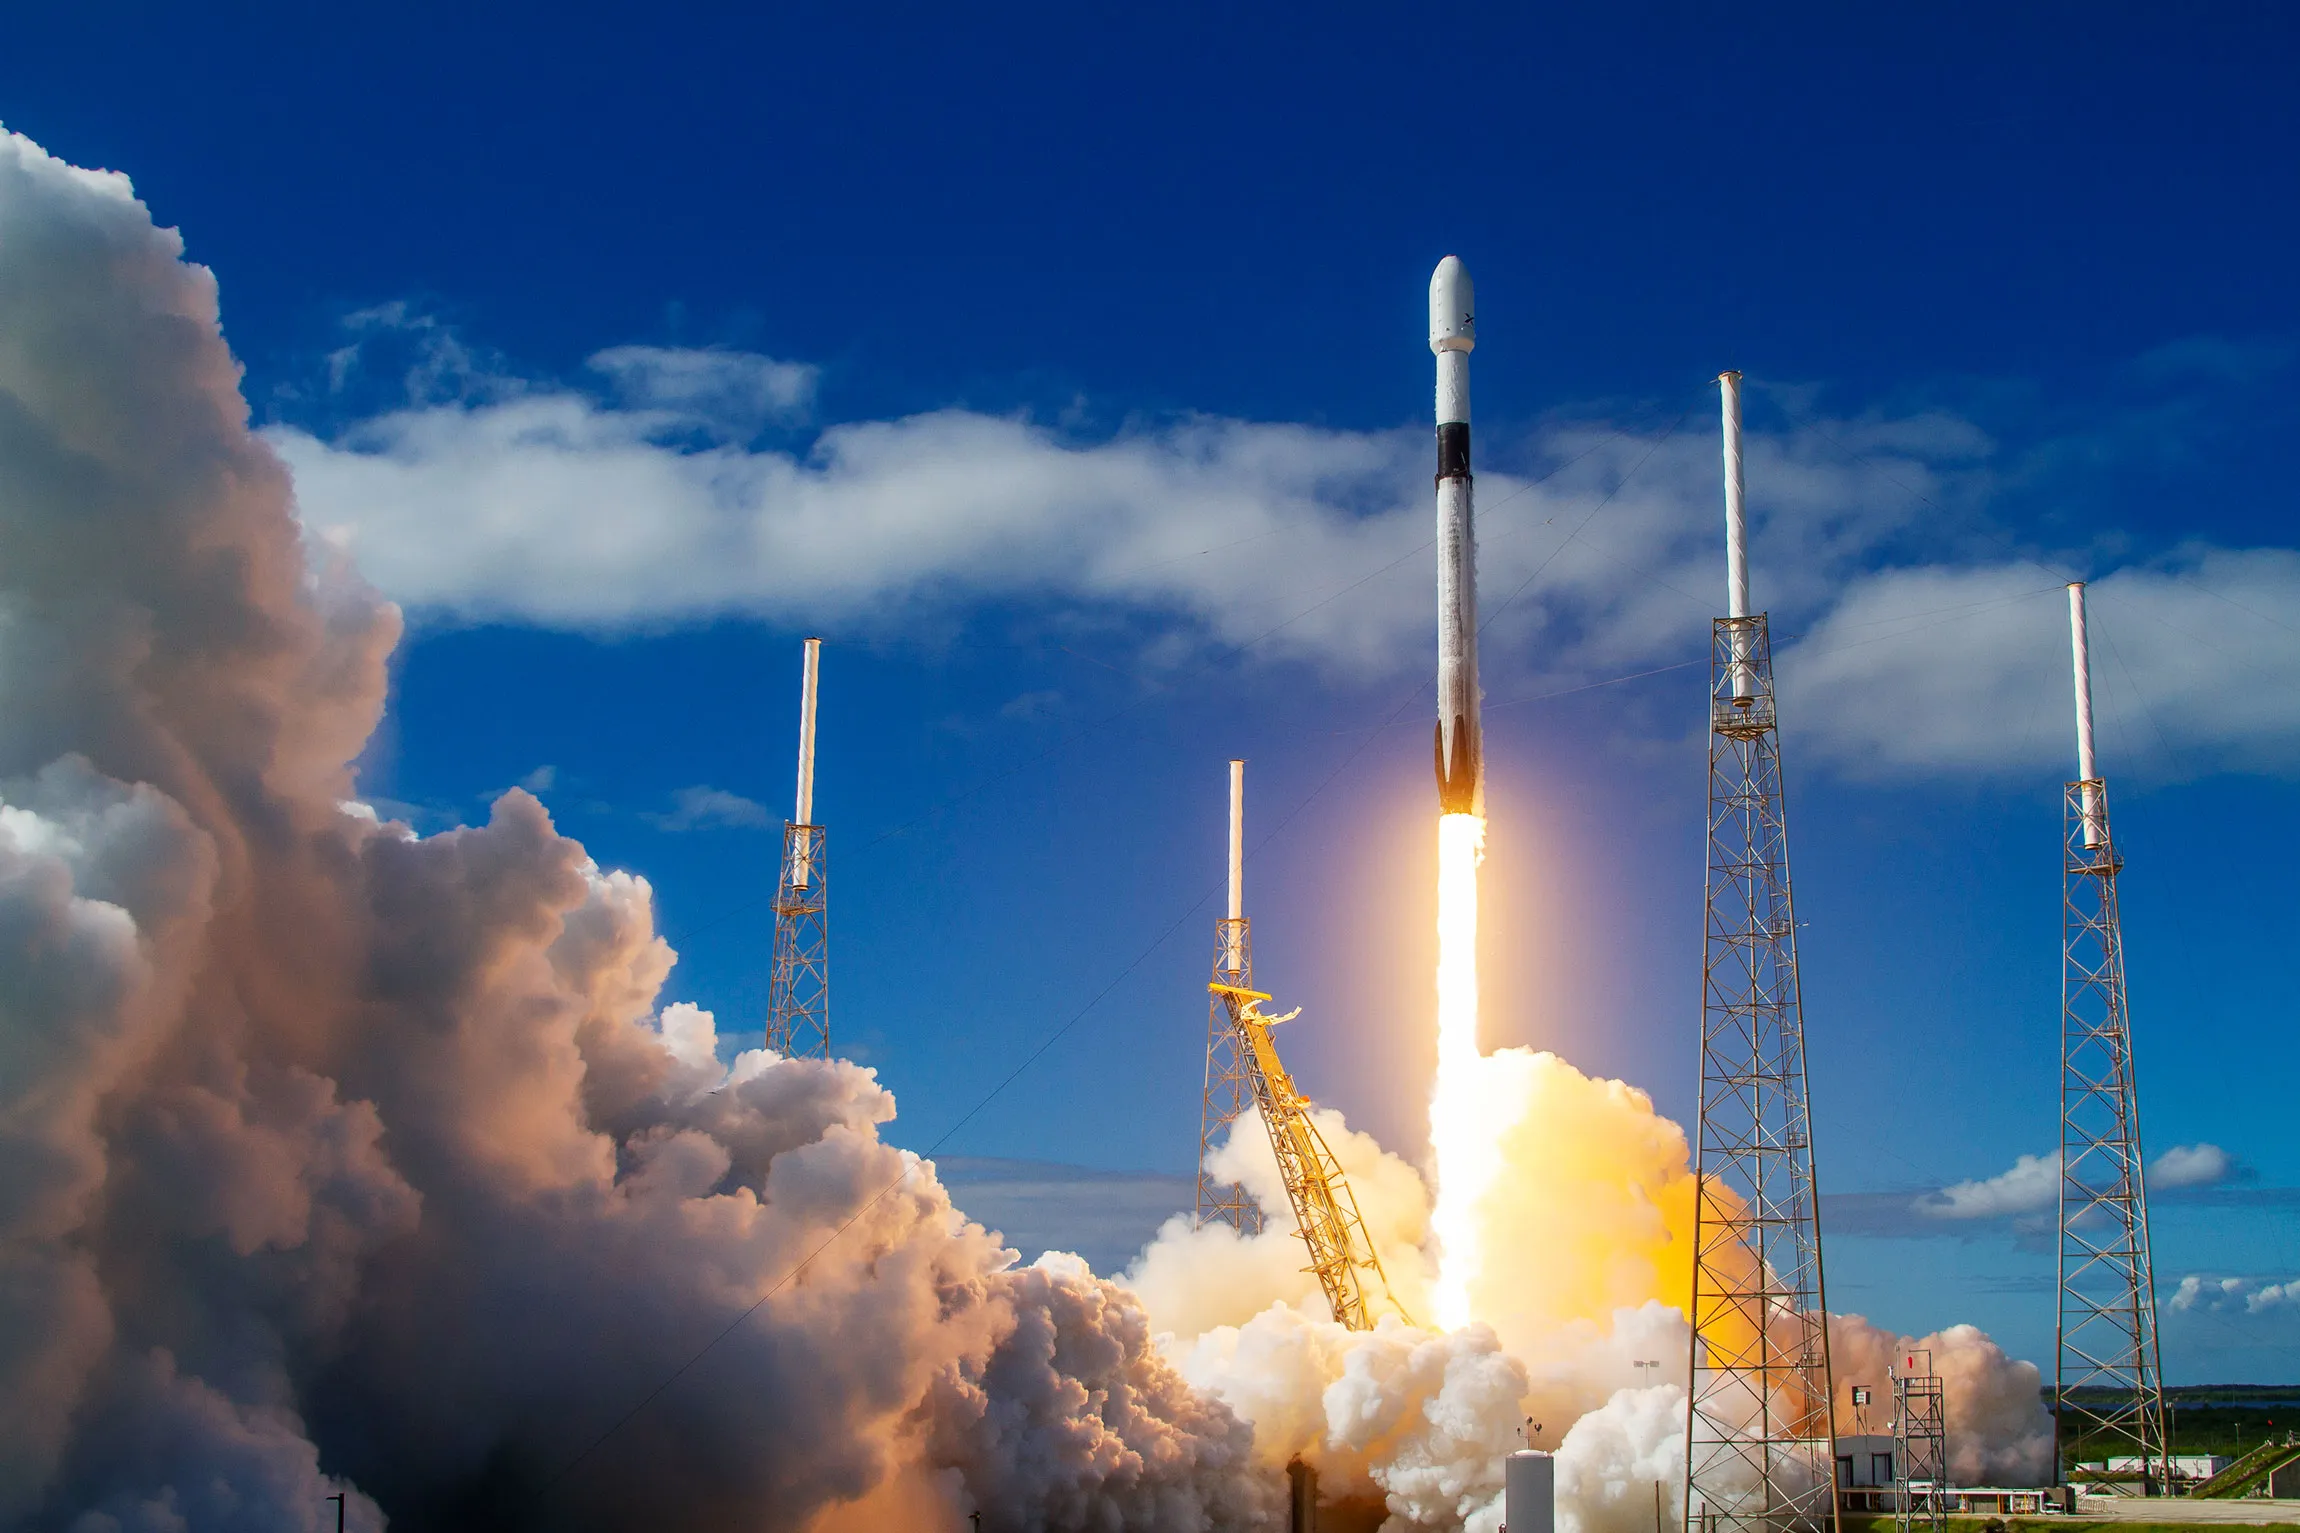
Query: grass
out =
(2246, 1474)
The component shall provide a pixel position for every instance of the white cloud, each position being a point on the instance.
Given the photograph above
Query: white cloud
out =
(1939, 668)
(546, 505)
(2197, 1291)
(2031, 1186)
(2191, 1165)
(702, 808)
(1906, 647)
(2225, 1294)
(733, 394)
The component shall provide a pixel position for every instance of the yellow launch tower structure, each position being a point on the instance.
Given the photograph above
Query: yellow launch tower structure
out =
(1246, 1061)
(1325, 1211)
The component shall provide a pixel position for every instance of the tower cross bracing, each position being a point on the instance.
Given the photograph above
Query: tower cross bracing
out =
(1760, 1445)
(799, 985)
(2106, 1343)
(1229, 1080)
(1920, 1445)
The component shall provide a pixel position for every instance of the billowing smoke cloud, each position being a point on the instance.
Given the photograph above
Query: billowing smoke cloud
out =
(1999, 1432)
(1584, 1236)
(1582, 1339)
(344, 1161)
(1196, 1279)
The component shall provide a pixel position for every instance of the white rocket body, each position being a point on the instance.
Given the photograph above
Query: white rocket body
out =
(1460, 733)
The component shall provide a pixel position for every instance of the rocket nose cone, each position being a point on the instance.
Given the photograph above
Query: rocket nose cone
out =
(1453, 307)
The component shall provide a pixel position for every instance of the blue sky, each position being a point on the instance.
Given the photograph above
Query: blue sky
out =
(1015, 323)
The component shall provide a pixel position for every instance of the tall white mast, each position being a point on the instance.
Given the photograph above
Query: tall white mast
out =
(801, 869)
(1736, 534)
(2087, 767)
(1234, 958)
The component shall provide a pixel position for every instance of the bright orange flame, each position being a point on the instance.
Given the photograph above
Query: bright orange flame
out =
(1462, 1142)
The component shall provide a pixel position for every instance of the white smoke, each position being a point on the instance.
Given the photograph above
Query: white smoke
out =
(1999, 1432)
(1585, 1344)
(1616, 1456)
(1194, 1279)
(1422, 1421)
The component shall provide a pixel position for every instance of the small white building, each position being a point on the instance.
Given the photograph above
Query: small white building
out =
(1865, 1472)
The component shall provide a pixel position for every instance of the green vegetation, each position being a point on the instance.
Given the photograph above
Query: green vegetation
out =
(2228, 1428)
(2245, 1475)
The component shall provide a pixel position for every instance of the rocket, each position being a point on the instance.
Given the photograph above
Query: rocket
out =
(1460, 735)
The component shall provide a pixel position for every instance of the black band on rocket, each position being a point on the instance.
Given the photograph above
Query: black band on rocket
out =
(1453, 450)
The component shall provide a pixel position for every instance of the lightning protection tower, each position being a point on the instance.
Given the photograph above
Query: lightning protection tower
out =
(1920, 1446)
(799, 991)
(2105, 1343)
(1229, 1081)
(1760, 1448)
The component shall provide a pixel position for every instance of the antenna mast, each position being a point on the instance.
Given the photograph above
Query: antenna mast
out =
(1760, 1447)
(799, 990)
(2105, 1342)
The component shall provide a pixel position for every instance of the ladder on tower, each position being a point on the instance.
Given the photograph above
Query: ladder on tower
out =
(1325, 1211)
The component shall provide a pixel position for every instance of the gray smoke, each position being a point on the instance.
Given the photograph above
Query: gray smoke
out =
(338, 1160)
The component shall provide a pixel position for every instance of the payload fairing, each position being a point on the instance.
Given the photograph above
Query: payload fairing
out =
(1460, 734)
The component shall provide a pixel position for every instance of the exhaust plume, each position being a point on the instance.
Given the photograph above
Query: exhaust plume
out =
(1460, 1144)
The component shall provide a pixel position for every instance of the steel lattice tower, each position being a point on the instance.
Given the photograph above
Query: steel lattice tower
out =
(2106, 1337)
(799, 989)
(1920, 1446)
(1229, 1081)
(1760, 1447)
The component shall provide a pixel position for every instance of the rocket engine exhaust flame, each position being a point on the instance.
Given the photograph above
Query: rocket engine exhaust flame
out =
(1462, 1139)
